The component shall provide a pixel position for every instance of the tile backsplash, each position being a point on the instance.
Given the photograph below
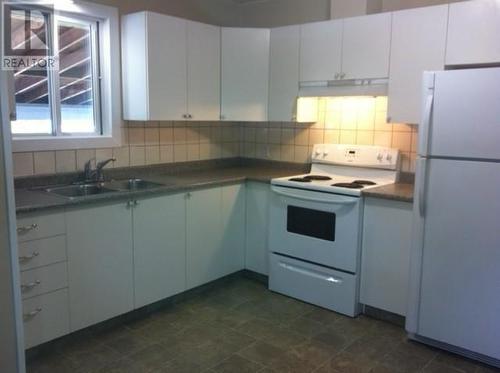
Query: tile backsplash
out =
(341, 120)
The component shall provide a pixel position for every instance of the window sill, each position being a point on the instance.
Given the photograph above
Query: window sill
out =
(31, 144)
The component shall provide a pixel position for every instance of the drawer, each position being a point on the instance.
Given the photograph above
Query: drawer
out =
(44, 279)
(38, 253)
(32, 227)
(46, 317)
(314, 284)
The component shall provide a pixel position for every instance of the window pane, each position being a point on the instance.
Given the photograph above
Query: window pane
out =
(31, 83)
(76, 77)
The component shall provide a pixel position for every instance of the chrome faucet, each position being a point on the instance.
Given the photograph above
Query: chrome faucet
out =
(97, 174)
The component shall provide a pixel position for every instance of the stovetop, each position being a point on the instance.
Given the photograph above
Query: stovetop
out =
(346, 169)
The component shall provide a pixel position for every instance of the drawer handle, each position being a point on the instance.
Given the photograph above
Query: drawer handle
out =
(26, 229)
(30, 315)
(307, 272)
(31, 285)
(25, 258)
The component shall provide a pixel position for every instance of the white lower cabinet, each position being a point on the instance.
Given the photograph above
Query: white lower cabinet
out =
(257, 205)
(45, 317)
(159, 248)
(386, 254)
(100, 263)
(233, 227)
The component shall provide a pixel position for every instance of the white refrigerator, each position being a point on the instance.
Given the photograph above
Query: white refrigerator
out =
(454, 298)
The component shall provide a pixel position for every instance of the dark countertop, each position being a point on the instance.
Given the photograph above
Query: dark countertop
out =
(397, 192)
(32, 200)
(177, 179)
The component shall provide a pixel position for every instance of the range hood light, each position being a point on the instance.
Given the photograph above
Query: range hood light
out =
(348, 87)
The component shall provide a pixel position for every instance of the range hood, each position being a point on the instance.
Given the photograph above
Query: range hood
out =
(347, 87)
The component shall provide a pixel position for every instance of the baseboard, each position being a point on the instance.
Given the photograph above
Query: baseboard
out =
(379, 314)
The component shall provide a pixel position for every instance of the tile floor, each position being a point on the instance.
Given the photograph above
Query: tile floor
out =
(239, 326)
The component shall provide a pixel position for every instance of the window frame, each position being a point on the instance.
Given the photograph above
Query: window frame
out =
(108, 134)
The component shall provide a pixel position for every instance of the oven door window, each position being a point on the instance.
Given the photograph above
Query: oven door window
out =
(311, 223)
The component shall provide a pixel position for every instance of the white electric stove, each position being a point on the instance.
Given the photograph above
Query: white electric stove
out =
(316, 224)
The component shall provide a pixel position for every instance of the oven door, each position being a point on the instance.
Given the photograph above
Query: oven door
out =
(318, 227)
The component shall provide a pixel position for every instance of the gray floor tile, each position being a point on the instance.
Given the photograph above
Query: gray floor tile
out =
(262, 353)
(238, 364)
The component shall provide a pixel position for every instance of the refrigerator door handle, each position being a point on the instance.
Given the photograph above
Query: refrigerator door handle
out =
(426, 123)
(421, 186)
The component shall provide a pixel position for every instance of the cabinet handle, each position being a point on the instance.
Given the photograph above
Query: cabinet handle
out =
(29, 315)
(222, 117)
(190, 116)
(342, 75)
(25, 258)
(337, 76)
(188, 195)
(31, 285)
(26, 229)
(129, 204)
(389, 119)
(136, 203)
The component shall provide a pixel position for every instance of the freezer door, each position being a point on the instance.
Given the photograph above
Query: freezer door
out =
(465, 121)
(460, 281)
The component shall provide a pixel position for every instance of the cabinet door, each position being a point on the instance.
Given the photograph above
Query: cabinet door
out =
(245, 74)
(167, 67)
(386, 254)
(418, 44)
(473, 31)
(284, 73)
(159, 248)
(320, 50)
(204, 255)
(366, 46)
(257, 203)
(100, 268)
(203, 75)
(233, 228)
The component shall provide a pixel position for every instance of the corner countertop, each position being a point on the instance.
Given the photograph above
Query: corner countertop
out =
(397, 192)
(33, 200)
(181, 179)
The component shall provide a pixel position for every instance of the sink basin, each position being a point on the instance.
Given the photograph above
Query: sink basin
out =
(134, 184)
(82, 190)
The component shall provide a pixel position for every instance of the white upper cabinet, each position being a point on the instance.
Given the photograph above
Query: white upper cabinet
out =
(473, 33)
(171, 68)
(203, 84)
(284, 73)
(418, 44)
(245, 74)
(366, 47)
(320, 50)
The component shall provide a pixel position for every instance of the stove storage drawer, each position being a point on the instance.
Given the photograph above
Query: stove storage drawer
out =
(314, 284)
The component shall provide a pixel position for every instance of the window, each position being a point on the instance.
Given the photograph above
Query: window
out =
(72, 91)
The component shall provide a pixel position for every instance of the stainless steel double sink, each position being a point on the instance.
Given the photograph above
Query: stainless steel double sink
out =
(90, 189)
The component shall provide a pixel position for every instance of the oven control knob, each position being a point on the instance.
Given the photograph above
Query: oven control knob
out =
(317, 153)
(380, 157)
(325, 153)
(389, 157)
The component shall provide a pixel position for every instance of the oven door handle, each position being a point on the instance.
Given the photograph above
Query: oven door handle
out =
(329, 198)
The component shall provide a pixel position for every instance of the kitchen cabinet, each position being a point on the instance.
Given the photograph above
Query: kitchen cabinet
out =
(352, 48)
(473, 33)
(284, 73)
(320, 50)
(233, 227)
(245, 74)
(414, 49)
(159, 226)
(204, 255)
(203, 73)
(257, 208)
(100, 263)
(171, 68)
(366, 47)
(385, 260)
